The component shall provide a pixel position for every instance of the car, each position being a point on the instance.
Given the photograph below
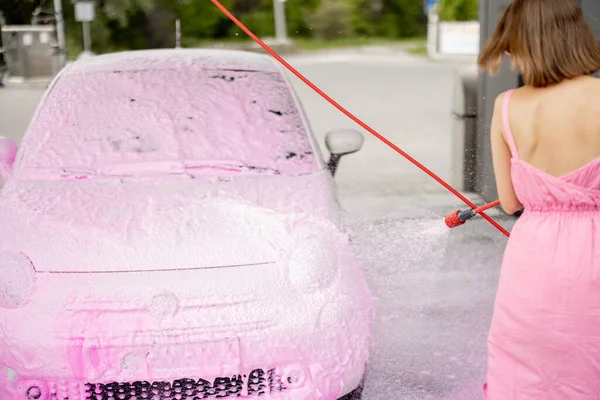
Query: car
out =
(171, 231)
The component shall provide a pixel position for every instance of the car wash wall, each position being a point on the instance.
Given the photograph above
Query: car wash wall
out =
(490, 87)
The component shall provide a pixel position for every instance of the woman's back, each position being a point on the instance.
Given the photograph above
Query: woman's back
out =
(544, 341)
(557, 129)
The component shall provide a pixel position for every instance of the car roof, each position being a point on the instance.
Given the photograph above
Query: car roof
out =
(169, 58)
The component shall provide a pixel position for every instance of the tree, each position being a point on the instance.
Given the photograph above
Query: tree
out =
(258, 16)
(297, 14)
(458, 10)
(199, 19)
(333, 19)
(136, 24)
(118, 25)
(17, 12)
(398, 19)
(121, 10)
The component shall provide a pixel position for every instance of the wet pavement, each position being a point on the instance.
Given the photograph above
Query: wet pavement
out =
(433, 288)
(434, 293)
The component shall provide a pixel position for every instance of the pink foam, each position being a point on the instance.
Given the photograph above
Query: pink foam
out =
(8, 152)
(181, 224)
(123, 123)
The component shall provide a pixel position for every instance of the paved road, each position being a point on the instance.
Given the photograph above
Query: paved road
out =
(402, 97)
(17, 105)
(433, 287)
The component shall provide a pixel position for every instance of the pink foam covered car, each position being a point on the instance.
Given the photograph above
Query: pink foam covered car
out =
(171, 231)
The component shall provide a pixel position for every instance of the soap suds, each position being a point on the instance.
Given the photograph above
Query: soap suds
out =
(185, 235)
(90, 122)
(17, 279)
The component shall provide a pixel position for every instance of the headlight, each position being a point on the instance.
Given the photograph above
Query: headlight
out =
(17, 279)
(313, 264)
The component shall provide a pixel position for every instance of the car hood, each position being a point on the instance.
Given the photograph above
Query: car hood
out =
(104, 226)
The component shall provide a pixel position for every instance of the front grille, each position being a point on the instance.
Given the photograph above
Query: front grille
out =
(257, 383)
(58, 391)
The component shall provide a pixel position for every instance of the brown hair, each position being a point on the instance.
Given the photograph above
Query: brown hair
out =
(549, 41)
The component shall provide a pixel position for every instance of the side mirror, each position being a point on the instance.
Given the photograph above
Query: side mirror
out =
(8, 152)
(341, 142)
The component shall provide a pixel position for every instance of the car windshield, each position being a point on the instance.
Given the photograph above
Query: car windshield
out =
(191, 118)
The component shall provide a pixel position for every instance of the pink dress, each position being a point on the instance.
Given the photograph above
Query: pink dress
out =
(544, 342)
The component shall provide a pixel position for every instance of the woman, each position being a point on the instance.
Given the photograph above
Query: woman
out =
(544, 341)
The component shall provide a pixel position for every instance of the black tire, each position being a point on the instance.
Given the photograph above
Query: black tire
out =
(356, 394)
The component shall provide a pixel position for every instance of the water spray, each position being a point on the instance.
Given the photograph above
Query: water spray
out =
(459, 217)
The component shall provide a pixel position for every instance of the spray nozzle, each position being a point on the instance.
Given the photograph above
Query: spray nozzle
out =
(458, 218)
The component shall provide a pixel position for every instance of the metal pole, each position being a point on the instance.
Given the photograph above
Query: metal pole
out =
(177, 33)
(87, 37)
(60, 32)
(280, 26)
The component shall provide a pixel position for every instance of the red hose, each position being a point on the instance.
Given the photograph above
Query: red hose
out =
(355, 119)
(487, 206)
(458, 218)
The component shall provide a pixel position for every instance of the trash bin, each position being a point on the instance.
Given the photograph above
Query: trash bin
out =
(464, 128)
(29, 51)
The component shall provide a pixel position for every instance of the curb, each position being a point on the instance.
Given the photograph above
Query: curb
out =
(17, 83)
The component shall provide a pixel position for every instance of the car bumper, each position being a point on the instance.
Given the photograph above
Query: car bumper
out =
(120, 337)
(266, 384)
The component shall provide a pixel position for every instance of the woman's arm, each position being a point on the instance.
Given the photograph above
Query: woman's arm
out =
(501, 158)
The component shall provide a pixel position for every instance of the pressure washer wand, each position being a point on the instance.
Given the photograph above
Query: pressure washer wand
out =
(459, 217)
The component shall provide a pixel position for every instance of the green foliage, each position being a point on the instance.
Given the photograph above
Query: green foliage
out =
(333, 19)
(389, 18)
(17, 11)
(199, 19)
(122, 11)
(362, 17)
(137, 24)
(297, 13)
(260, 22)
(400, 18)
(258, 16)
(458, 10)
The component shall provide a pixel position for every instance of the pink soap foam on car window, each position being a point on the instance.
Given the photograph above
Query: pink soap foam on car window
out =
(211, 116)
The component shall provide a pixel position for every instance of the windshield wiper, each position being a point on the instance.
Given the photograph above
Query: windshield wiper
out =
(148, 169)
(79, 173)
(236, 166)
(186, 167)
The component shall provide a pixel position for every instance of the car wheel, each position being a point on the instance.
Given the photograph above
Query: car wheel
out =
(356, 394)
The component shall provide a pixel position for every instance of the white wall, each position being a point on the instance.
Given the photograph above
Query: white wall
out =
(458, 38)
(452, 38)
